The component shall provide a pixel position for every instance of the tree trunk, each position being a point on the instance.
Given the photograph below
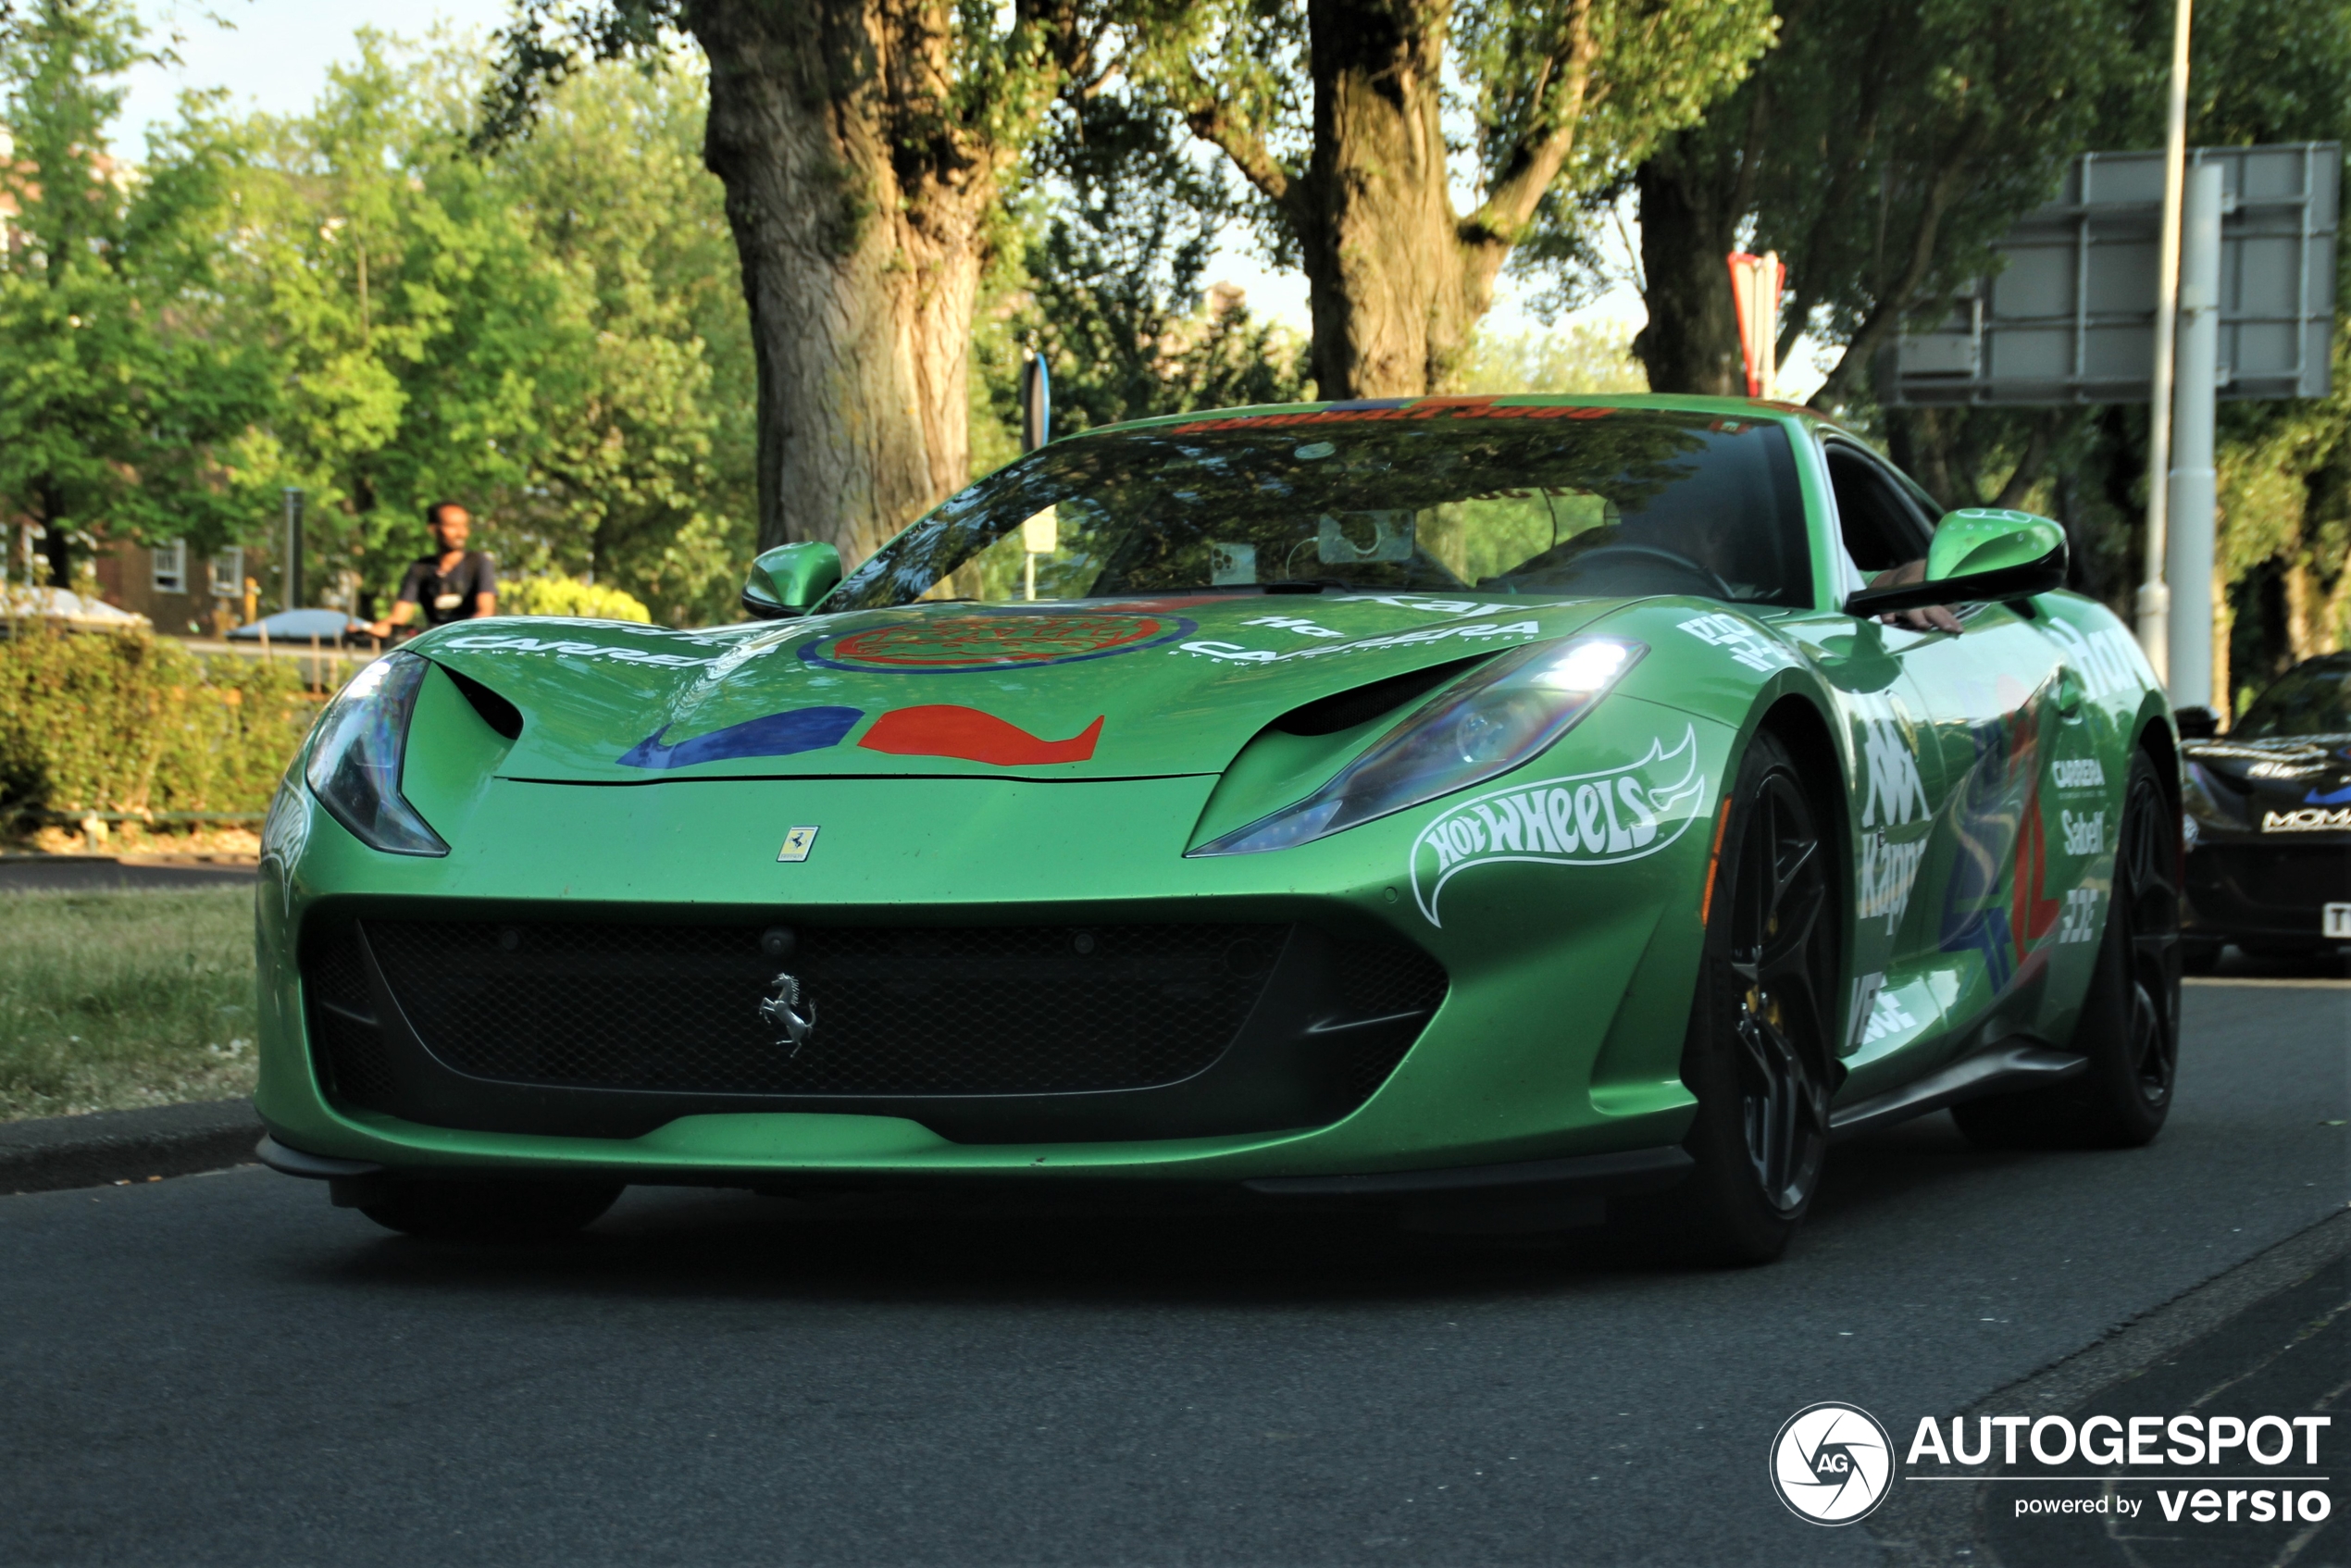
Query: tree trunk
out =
(1689, 226)
(1392, 298)
(856, 203)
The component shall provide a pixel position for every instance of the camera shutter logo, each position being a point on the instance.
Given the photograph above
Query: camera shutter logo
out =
(1831, 1463)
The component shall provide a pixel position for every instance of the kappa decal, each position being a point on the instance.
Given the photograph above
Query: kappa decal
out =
(1749, 644)
(1889, 870)
(1896, 793)
(1023, 640)
(2310, 819)
(776, 735)
(945, 730)
(1603, 818)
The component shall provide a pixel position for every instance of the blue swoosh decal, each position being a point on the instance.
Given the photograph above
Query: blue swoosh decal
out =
(776, 735)
(2337, 798)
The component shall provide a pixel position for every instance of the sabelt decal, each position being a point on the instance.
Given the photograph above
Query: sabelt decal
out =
(2310, 819)
(2084, 834)
(1749, 644)
(1603, 818)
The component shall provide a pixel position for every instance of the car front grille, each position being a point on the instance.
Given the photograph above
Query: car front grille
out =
(669, 1015)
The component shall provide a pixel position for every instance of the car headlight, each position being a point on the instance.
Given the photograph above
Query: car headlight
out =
(354, 766)
(1500, 716)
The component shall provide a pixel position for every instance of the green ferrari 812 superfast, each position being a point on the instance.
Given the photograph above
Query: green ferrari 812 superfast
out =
(1507, 812)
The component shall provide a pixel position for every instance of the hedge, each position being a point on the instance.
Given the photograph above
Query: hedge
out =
(131, 722)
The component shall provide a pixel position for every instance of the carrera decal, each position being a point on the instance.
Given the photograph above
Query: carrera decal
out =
(1232, 652)
(945, 730)
(2077, 772)
(2310, 819)
(776, 735)
(1748, 644)
(954, 644)
(1603, 818)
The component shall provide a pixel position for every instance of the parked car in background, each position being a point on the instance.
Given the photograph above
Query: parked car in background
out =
(2268, 821)
(330, 627)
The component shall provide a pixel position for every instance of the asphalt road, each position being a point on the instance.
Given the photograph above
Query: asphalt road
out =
(223, 1369)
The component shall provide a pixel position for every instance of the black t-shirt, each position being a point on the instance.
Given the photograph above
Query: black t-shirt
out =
(448, 596)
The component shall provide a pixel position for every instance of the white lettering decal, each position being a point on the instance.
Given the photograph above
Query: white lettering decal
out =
(2107, 661)
(2310, 819)
(1896, 794)
(2078, 773)
(2084, 834)
(1744, 641)
(1888, 872)
(1601, 818)
(2078, 921)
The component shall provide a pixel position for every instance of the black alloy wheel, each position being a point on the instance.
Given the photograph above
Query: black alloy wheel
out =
(2130, 1024)
(1759, 1054)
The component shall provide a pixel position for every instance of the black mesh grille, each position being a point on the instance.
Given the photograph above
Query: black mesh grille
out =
(899, 1010)
(1379, 981)
(357, 1064)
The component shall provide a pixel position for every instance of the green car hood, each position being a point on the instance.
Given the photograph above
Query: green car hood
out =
(1106, 689)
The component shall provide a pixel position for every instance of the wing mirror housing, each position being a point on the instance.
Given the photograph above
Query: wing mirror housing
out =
(1979, 554)
(791, 578)
(2197, 724)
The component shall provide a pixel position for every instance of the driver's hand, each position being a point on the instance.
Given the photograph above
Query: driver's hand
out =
(1926, 617)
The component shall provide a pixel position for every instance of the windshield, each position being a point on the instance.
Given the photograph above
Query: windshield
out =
(1436, 494)
(2313, 698)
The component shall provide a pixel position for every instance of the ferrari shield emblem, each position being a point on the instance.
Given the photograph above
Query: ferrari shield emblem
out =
(797, 843)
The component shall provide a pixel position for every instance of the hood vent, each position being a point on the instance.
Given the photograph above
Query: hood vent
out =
(1360, 705)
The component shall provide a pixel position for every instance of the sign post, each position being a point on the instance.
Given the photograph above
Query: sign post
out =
(291, 577)
(1755, 281)
(2187, 550)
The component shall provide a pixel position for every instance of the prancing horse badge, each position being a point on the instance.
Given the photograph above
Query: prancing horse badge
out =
(792, 1018)
(797, 843)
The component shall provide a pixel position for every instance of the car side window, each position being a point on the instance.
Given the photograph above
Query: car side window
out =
(1881, 528)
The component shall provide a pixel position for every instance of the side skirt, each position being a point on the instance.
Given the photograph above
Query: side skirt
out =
(2019, 1062)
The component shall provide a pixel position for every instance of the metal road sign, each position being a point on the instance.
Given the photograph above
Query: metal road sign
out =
(2069, 317)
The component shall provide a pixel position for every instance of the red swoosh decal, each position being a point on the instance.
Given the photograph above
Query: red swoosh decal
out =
(945, 730)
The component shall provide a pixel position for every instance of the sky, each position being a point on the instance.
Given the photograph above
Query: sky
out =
(275, 55)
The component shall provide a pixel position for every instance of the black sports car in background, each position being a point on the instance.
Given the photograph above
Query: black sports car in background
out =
(2268, 821)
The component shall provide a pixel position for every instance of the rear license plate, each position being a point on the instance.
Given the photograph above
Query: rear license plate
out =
(2338, 921)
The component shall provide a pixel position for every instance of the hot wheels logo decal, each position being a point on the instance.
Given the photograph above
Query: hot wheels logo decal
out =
(1603, 818)
(950, 644)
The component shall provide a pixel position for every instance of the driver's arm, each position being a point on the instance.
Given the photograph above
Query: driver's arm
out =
(1927, 617)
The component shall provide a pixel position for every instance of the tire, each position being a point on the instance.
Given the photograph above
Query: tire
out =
(2199, 957)
(492, 1211)
(1758, 1052)
(2130, 1024)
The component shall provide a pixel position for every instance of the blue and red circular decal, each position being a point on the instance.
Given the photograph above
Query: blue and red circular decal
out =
(1017, 640)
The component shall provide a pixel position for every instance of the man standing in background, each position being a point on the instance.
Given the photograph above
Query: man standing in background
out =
(452, 584)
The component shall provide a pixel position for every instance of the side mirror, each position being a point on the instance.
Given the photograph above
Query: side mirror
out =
(2197, 724)
(1978, 554)
(788, 579)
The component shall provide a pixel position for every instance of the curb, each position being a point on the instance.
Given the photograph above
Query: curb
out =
(108, 1147)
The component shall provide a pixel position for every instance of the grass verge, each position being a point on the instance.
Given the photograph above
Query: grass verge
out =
(117, 1000)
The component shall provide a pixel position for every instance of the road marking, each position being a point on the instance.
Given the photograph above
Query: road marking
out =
(2253, 980)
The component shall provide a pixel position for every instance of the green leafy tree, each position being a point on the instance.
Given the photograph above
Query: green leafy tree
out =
(1336, 113)
(1113, 296)
(123, 406)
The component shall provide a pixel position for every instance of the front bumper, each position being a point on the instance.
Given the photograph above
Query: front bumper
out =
(2270, 888)
(1559, 1035)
